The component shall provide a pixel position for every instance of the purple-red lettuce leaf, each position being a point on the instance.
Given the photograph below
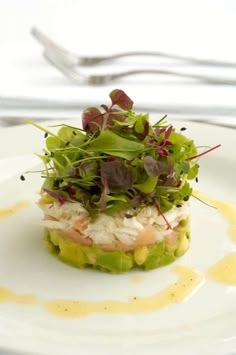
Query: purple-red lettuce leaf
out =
(159, 130)
(170, 179)
(168, 132)
(113, 116)
(118, 176)
(88, 169)
(92, 119)
(119, 98)
(55, 195)
(141, 127)
(152, 166)
(105, 107)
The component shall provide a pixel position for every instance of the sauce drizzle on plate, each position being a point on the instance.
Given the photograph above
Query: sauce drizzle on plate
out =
(228, 210)
(7, 295)
(224, 271)
(175, 293)
(172, 294)
(11, 210)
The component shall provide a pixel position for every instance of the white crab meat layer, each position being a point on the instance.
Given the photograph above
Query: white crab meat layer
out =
(122, 227)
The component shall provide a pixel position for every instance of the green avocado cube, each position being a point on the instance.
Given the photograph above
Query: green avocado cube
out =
(115, 261)
(154, 257)
(141, 254)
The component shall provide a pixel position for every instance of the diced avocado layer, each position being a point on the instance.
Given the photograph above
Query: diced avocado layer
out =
(144, 257)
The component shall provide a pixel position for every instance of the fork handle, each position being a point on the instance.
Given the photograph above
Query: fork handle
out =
(186, 59)
(71, 71)
(204, 78)
(49, 44)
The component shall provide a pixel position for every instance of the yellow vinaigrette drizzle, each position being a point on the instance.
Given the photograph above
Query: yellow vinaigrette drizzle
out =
(7, 295)
(11, 210)
(224, 272)
(228, 210)
(175, 293)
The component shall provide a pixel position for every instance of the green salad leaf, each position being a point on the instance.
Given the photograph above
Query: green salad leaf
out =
(118, 161)
(112, 144)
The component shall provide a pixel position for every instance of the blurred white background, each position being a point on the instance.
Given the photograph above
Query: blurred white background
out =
(91, 26)
(204, 29)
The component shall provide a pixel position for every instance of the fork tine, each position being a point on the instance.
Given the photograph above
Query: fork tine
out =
(43, 39)
(64, 54)
(68, 70)
(49, 44)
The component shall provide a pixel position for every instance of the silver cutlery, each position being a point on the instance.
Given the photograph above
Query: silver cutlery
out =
(68, 64)
(14, 109)
(71, 71)
(31, 103)
(48, 43)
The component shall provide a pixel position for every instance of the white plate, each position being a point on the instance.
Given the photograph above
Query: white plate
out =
(205, 323)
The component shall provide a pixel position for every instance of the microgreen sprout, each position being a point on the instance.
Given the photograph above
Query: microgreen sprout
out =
(202, 201)
(203, 153)
(118, 160)
(162, 214)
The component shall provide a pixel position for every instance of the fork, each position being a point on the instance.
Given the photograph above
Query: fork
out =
(92, 60)
(71, 71)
